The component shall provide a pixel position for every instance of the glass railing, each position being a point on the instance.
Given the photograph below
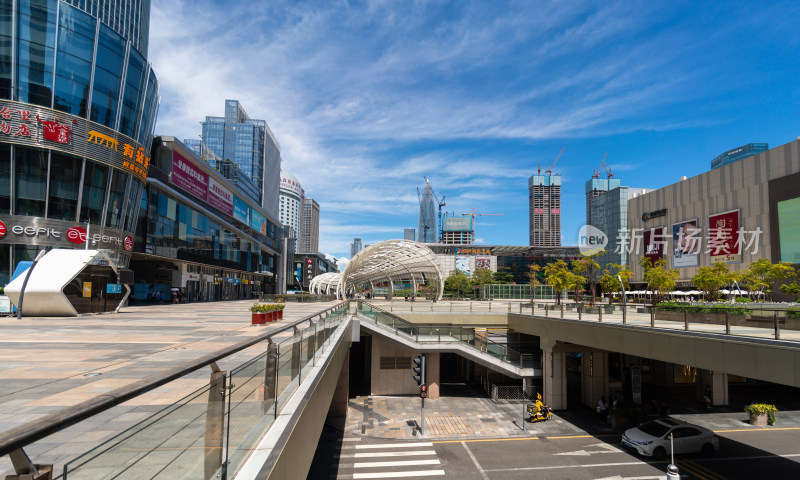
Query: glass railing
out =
(448, 334)
(211, 432)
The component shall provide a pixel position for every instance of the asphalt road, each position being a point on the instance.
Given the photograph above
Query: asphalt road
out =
(744, 454)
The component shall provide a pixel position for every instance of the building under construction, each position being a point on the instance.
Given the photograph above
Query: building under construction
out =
(458, 230)
(597, 186)
(544, 200)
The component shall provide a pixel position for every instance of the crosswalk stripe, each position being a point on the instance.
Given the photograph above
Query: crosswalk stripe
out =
(401, 463)
(395, 445)
(388, 454)
(417, 473)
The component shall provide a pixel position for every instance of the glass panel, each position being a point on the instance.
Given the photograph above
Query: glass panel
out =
(5, 264)
(173, 438)
(30, 181)
(116, 197)
(94, 190)
(5, 49)
(130, 99)
(5, 178)
(107, 77)
(65, 178)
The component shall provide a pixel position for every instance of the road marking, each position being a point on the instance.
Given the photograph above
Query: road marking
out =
(617, 477)
(417, 473)
(396, 445)
(606, 448)
(402, 463)
(524, 439)
(388, 454)
(561, 467)
(475, 461)
(771, 429)
(697, 470)
(355, 439)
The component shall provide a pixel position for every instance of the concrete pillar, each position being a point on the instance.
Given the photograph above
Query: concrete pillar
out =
(555, 379)
(594, 377)
(432, 374)
(718, 382)
(338, 408)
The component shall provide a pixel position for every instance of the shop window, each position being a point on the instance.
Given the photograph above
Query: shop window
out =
(115, 213)
(95, 179)
(65, 178)
(30, 181)
(5, 178)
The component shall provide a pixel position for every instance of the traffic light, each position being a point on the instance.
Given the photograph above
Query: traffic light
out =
(419, 369)
(423, 391)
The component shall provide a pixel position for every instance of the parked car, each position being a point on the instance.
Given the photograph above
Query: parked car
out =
(652, 439)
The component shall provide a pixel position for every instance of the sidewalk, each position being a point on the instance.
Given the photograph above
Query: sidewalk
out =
(47, 364)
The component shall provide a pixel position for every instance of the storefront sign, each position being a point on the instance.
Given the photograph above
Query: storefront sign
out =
(113, 288)
(473, 251)
(655, 241)
(87, 289)
(193, 277)
(30, 125)
(220, 197)
(723, 243)
(233, 280)
(651, 215)
(60, 234)
(241, 211)
(188, 177)
(291, 186)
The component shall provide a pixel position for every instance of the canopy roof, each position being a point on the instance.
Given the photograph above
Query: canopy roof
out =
(388, 261)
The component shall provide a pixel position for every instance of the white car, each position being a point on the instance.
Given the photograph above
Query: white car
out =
(651, 439)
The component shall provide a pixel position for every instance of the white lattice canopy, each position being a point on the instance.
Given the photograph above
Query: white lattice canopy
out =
(385, 262)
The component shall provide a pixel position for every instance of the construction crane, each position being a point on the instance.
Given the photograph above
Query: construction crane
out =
(596, 173)
(549, 169)
(441, 204)
(473, 215)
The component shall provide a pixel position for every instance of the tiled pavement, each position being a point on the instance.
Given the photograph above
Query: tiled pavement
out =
(47, 364)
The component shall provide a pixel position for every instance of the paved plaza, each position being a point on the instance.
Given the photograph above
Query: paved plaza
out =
(47, 364)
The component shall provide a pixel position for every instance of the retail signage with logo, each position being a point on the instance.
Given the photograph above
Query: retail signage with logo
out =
(60, 233)
(188, 177)
(220, 197)
(473, 251)
(241, 211)
(193, 277)
(31, 125)
(723, 237)
(233, 280)
(113, 288)
(291, 186)
(655, 241)
(651, 215)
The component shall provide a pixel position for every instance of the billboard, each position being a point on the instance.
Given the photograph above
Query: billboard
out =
(457, 224)
(685, 244)
(462, 265)
(483, 262)
(789, 230)
(188, 177)
(654, 242)
(241, 211)
(220, 197)
(723, 237)
(258, 222)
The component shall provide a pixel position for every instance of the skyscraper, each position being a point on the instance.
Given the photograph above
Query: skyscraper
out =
(309, 226)
(427, 215)
(246, 148)
(596, 187)
(291, 201)
(355, 247)
(544, 203)
(409, 234)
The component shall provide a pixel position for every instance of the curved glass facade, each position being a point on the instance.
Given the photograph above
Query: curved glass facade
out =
(72, 83)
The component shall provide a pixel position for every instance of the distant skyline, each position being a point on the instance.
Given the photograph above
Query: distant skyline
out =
(368, 98)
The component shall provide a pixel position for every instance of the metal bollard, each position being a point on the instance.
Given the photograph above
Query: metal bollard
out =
(562, 310)
(652, 318)
(685, 321)
(520, 308)
(509, 308)
(727, 324)
(600, 314)
(624, 315)
(777, 327)
(580, 312)
(546, 313)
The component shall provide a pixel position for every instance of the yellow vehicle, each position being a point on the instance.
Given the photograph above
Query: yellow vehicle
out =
(539, 411)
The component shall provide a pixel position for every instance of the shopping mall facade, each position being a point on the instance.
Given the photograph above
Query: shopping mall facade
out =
(78, 102)
(737, 213)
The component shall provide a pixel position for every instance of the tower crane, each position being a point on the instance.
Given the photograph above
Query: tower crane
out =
(441, 204)
(549, 169)
(473, 215)
(603, 164)
(596, 172)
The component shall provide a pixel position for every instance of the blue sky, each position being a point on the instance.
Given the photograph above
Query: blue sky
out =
(368, 97)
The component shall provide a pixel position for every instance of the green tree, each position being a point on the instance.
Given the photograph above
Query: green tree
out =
(588, 268)
(533, 271)
(457, 283)
(792, 288)
(557, 275)
(762, 274)
(503, 275)
(711, 279)
(609, 282)
(659, 278)
(481, 276)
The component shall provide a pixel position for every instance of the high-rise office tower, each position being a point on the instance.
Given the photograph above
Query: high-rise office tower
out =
(355, 247)
(427, 215)
(409, 234)
(309, 226)
(291, 201)
(246, 148)
(596, 187)
(544, 203)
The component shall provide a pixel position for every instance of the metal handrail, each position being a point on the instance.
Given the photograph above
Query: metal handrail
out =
(507, 351)
(23, 435)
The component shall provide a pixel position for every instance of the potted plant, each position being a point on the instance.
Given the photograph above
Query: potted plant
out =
(258, 316)
(279, 309)
(269, 308)
(761, 413)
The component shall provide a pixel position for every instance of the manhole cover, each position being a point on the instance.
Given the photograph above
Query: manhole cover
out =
(447, 426)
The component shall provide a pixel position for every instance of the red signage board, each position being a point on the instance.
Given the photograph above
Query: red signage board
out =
(723, 237)
(654, 243)
(188, 177)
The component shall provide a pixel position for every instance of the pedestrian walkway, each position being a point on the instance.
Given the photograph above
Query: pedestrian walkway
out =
(47, 364)
(388, 460)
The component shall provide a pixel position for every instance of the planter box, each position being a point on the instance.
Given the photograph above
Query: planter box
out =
(258, 319)
(759, 419)
(270, 316)
(280, 313)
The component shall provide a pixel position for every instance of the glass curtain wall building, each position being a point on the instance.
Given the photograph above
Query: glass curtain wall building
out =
(309, 226)
(427, 216)
(78, 103)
